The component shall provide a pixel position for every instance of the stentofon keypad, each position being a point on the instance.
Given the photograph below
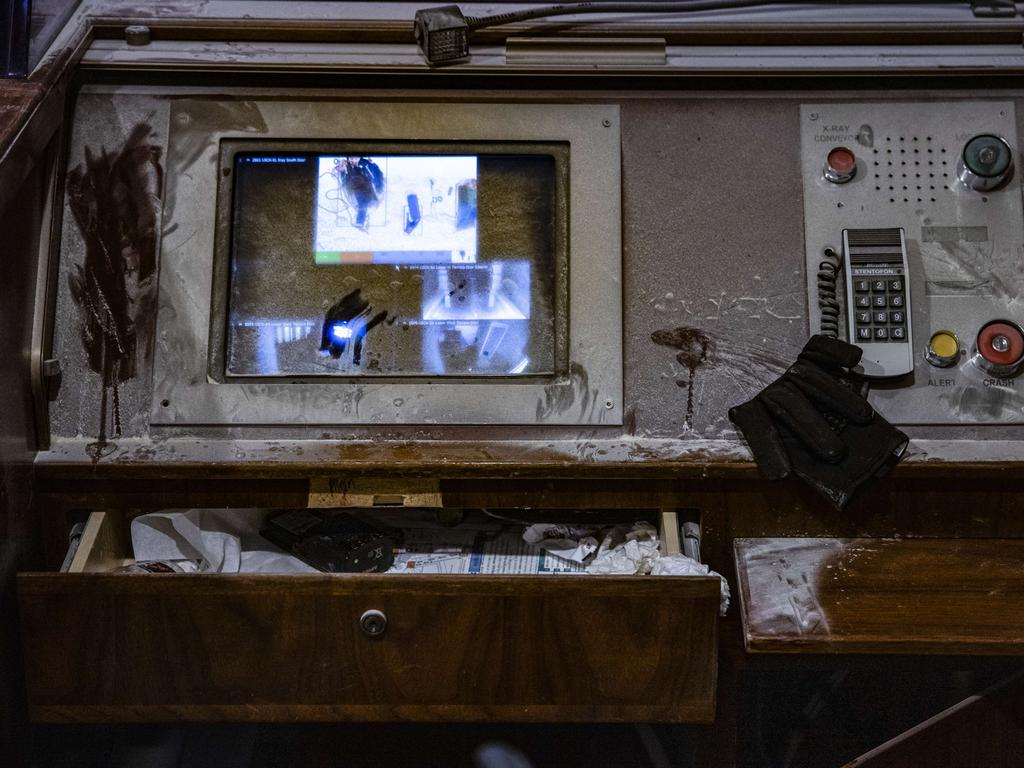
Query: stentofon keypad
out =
(878, 300)
(879, 310)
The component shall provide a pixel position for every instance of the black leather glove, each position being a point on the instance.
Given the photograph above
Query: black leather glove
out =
(812, 423)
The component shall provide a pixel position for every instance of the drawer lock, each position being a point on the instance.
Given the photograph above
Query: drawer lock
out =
(373, 623)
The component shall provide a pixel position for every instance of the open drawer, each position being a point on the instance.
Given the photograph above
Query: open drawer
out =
(102, 646)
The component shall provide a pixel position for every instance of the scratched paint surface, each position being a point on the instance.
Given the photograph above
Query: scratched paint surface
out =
(712, 251)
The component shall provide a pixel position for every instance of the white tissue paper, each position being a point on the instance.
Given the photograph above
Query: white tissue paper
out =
(626, 550)
(681, 565)
(634, 551)
(570, 542)
(226, 541)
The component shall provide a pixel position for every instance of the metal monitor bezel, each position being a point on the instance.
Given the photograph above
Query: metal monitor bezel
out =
(587, 386)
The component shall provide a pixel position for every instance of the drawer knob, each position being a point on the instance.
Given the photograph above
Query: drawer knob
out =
(373, 623)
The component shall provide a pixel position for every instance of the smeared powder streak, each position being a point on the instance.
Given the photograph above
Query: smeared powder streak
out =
(693, 345)
(113, 197)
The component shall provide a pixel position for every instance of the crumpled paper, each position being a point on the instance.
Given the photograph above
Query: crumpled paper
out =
(571, 542)
(225, 541)
(626, 550)
(681, 565)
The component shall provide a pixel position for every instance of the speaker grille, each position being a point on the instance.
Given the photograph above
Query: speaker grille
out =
(875, 246)
(911, 169)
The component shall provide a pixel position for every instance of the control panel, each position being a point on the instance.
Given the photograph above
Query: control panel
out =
(914, 244)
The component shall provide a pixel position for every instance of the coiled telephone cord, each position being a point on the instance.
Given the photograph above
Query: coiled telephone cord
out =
(828, 301)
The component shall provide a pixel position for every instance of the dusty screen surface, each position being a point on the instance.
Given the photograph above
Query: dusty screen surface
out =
(382, 264)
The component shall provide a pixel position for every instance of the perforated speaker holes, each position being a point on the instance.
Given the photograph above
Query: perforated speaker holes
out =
(911, 169)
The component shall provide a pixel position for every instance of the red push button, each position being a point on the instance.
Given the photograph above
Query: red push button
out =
(1001, 343)
(840, 165)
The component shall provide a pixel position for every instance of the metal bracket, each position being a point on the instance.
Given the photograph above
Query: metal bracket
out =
(681, 532)
(52, 377)
(691, 540)
(374, 492)
(988, 9)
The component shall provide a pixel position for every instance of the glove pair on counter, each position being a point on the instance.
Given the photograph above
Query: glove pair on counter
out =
(813, 423)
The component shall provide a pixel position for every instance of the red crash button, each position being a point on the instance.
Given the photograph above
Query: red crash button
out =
(840, 165)
(1001, 343)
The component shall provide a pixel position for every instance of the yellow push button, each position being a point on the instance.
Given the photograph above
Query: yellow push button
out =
(943, 349)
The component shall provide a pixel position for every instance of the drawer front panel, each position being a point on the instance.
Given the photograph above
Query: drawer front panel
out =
(102, 646)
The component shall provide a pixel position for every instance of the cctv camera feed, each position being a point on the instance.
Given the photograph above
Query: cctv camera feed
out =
(385, 264)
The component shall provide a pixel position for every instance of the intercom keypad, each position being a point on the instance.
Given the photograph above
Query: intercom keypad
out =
(875, 264)
(887, 323)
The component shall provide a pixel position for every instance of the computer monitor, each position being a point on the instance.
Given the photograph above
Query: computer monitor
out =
(364, 260)
(343, 263)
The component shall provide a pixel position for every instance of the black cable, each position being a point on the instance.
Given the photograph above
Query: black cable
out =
(828, 301)
(665, 6)
(442, 33)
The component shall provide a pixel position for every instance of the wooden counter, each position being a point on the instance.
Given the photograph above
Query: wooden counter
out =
(911, 596)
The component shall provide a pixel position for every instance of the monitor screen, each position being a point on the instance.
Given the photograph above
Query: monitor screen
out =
(357, 261)
(395, 210)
